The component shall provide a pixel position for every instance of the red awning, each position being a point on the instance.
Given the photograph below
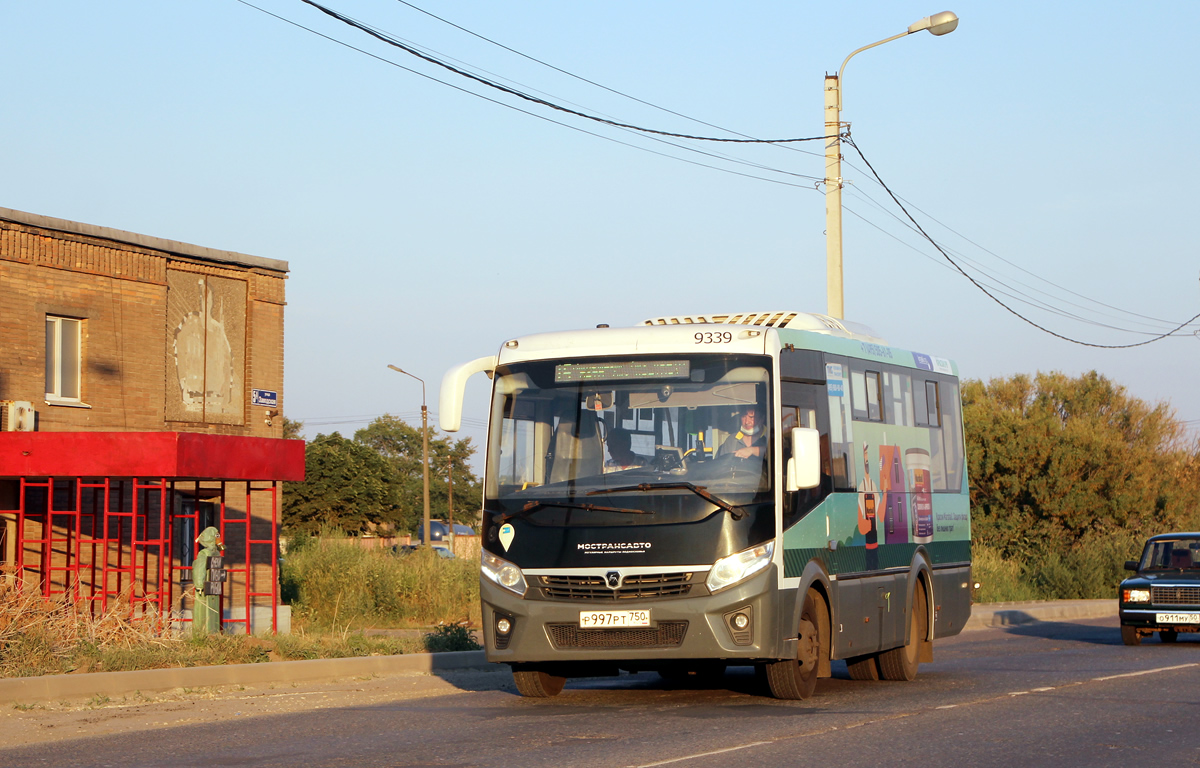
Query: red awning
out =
(150, 454)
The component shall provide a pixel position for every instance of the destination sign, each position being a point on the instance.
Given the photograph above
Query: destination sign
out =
(566, 373)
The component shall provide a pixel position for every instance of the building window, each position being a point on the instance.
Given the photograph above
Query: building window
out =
(63, 356)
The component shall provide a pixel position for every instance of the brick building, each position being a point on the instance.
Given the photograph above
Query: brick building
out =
(140, 390)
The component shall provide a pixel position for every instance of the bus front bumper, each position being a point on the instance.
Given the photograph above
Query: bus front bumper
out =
(684, 628)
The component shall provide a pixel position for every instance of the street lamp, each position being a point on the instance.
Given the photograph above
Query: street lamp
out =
(938, 24)
(424, 448)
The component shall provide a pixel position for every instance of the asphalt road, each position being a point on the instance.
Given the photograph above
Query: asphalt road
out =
(1053, 694)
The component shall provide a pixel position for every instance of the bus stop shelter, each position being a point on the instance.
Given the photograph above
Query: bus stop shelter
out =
(110, 519)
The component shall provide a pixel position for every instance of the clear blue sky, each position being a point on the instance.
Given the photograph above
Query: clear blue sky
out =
(424, 226)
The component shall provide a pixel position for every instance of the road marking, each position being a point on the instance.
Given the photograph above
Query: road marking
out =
(901, 716)
(705, 754)
(1145, 672)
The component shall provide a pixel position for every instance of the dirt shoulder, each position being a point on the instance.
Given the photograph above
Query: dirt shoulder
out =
(26, 725)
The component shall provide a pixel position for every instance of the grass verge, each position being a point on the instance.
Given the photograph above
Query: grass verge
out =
(332, 583)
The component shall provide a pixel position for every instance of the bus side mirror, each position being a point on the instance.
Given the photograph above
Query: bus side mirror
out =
(804, 468)
(454, 384)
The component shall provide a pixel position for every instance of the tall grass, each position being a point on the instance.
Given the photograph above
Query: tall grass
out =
(40, 636)
(50, 637)
(1090, 570)
(333, 583)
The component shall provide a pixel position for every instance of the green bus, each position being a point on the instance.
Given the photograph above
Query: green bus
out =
(776, 489)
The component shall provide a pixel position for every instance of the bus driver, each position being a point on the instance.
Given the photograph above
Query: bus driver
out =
(751, 439)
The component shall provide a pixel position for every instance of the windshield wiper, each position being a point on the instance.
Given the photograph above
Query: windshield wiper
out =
(734, 511)
(533, 506)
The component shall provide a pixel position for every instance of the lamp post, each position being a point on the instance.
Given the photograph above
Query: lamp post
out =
(424, 449)
(450, 499)
(938, 24)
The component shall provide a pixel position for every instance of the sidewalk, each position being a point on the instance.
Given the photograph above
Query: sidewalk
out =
(29, 690)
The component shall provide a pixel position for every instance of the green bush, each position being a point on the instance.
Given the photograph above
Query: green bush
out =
(1000, 580)
(1090, 570)
(450, 637)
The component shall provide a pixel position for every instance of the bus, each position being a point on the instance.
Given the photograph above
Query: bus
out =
(776, 489)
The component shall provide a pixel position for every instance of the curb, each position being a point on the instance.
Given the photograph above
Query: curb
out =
(991, 615)
(27, 690)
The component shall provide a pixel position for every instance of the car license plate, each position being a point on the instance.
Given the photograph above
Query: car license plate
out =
(594, 619)
(1177, 618)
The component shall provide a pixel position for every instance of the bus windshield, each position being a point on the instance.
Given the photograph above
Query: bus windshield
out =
(630, 441)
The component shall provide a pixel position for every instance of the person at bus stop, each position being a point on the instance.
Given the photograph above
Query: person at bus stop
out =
(868, 500)
(620, 452)
(750, 441)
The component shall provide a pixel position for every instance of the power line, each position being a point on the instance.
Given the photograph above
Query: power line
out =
(993, 279)
(988, 293)
(529, 97)
(557, 122)
(1022, 269)
(1004, 289)
(586, 80)
(654, 134)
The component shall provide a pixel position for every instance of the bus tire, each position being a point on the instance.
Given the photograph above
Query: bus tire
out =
(796, 678)
(863, 667)
(536, 684)
(901, 663)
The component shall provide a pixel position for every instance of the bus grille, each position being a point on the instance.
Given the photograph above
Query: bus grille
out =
(634, 587)
(668, 634)
(1175, 595)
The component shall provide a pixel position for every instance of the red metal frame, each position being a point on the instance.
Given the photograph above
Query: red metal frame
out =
(135, 546)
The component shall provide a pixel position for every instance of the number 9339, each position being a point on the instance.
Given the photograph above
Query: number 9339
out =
(713, 337)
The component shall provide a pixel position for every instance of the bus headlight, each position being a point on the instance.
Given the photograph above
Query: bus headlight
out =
(738, 567)
(502, 572)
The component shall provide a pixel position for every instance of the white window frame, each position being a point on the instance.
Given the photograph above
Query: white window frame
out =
(56, 392)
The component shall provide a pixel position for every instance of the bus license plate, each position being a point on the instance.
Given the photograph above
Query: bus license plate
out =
(1177, 618)
(594, 619)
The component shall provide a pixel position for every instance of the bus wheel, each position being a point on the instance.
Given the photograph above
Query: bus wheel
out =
(797, 678)
(901, 663)
(863, 667)
(536, 684)
(1130, 636)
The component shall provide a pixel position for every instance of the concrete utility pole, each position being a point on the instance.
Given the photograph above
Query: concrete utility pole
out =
(938, 24)
(424, 448)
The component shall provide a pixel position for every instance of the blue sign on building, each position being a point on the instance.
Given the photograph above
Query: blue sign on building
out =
(264, 397)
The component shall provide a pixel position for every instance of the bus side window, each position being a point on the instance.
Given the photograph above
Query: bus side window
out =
(866, 395)
(897, 398)
(839, 399)
(952, 433)
(805, 405)
(933, 404)
(926, 401)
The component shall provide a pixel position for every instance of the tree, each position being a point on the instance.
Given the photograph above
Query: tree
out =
(1054, 461)
(400, 444)
(347, 485)
(292, 429)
